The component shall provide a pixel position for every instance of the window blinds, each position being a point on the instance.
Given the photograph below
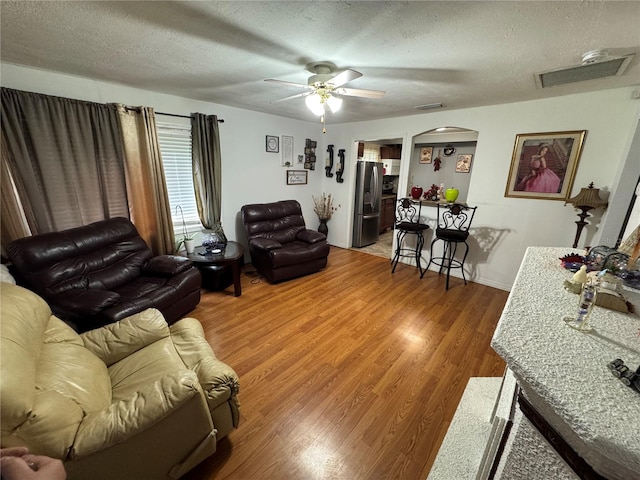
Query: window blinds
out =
(175, 146)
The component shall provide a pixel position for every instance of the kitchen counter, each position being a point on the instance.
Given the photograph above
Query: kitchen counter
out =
(431, 203)
(563, 373)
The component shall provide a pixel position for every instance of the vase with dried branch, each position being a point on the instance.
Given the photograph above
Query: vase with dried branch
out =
(324, 208)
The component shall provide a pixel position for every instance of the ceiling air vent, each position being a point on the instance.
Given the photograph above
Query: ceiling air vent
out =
(595, 64)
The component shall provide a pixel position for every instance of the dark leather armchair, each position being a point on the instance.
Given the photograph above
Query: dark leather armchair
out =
(103, 272)
(280, 244)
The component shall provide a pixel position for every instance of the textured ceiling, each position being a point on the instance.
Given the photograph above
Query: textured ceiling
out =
(461, 54)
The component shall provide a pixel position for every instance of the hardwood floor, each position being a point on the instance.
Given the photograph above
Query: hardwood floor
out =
(349, 373)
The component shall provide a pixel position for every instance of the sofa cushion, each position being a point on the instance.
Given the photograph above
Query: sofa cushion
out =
(24, 321)
(100, 255)
(297, 252)
(67, 367)
(279, 221)
(144, 366)
(166, 265)
(89, 301)
(117, 340)
(44, 420)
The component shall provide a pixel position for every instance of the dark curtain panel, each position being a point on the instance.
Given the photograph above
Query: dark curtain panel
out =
(207, 169)
(66, 159)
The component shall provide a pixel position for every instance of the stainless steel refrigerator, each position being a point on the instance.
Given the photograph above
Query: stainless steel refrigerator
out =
(366, 222)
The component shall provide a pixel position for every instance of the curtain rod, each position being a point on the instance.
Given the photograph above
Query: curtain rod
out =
(220, 120)
(137, 109)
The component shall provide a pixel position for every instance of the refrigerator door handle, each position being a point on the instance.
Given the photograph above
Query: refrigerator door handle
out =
(376, 180)
(368, 217)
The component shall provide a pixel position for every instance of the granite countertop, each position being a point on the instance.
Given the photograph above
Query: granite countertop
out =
(564, 372)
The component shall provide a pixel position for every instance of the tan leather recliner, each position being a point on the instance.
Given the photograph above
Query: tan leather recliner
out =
(136, 399)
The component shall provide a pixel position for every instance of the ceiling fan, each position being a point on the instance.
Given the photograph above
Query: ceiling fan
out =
(325, 87)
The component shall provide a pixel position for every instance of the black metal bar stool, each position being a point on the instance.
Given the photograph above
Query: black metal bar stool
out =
(408, 223)
(454, 220)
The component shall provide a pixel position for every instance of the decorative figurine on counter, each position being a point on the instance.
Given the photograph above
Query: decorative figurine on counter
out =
(329, 164)
(585, 307)
(340, 167)
(581, 275)
(432, 193)
(608, 295)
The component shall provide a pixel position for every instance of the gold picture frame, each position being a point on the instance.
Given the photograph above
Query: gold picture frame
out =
(543, 165)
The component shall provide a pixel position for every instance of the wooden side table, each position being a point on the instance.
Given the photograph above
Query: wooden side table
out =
(232, 255)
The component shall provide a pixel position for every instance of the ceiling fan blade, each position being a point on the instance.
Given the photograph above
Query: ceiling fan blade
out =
(272, 80)
(356, 92)
(343, 77)
(303, 94)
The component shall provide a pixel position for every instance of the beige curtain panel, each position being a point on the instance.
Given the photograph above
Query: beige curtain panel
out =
(146, 187)
(14, 223)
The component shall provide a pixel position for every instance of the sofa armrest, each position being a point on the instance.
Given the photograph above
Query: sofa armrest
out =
(218, 380)
(85, 302)
(265, 244)
(166, 265)
(118, 340)
(310, 236)
(131, 416)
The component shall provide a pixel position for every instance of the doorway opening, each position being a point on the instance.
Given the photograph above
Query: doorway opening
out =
(376, 186)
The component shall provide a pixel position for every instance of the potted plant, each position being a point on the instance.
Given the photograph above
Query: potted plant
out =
(187, 238)
(323, 206)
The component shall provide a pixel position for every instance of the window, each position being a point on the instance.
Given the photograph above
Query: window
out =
(175, 146)
(371, 152)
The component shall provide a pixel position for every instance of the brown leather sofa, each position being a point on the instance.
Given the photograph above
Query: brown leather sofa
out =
(100, 273)
(137, 399)
(280, 245)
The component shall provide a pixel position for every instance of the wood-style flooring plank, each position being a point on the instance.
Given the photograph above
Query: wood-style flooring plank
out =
(350, 373)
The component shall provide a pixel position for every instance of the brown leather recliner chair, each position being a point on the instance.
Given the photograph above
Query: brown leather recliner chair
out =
(280, 244)
(103, 272)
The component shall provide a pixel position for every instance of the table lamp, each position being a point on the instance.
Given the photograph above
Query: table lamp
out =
(587, 199)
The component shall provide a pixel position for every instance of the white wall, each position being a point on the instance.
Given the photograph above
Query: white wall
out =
(504, 227)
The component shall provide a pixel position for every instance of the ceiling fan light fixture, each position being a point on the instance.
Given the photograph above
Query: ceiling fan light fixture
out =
(334, 103)
(314, 103)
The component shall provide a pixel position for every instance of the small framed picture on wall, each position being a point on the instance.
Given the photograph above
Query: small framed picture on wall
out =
(463, 164)
(297, 177)
(425, 154)
(273, 144)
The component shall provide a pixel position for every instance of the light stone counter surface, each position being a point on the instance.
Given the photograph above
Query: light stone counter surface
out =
(564, 373)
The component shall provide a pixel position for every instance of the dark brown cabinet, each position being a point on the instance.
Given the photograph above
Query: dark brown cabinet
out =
(387, 213)
(390, 151)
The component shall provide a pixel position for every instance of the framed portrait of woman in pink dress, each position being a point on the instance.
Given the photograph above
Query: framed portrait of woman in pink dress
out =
(544, 165)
